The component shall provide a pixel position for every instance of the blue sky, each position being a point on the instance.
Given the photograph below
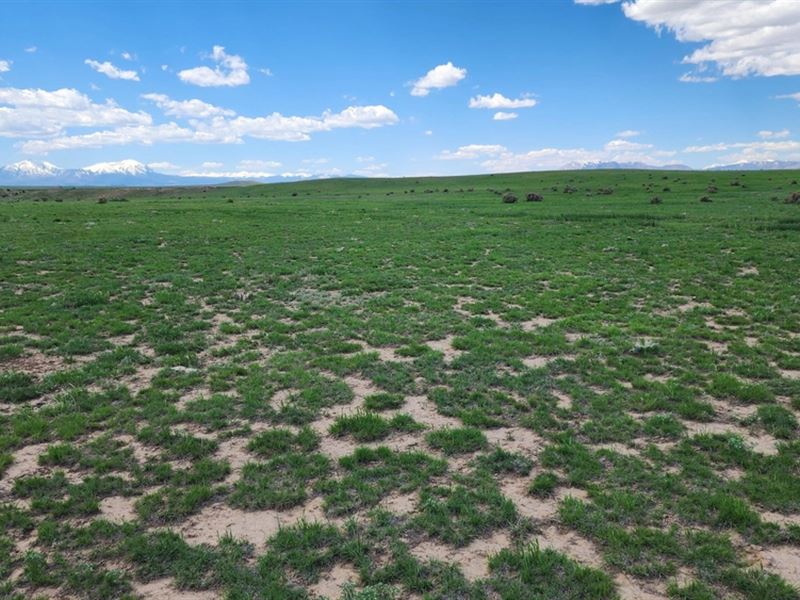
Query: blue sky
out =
(399, 88)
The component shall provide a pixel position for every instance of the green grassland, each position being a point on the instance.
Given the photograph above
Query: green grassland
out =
(403, 388)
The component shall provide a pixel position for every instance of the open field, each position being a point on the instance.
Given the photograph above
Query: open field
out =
(404, 389)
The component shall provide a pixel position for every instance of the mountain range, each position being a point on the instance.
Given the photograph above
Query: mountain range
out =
(124, 173)
(131, 173)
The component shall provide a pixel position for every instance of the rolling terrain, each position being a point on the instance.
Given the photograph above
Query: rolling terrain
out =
(403, 388)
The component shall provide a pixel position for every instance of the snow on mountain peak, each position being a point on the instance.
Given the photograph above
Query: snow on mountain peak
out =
(30, 168)
(122, 167)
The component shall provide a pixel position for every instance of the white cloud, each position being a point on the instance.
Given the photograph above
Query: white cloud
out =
(766, 134)
(128, 56)
(740, 37)
(628, 133)
(472, 151)
(504, 116)
(257, 164)
(620, 145)
(220, 130)
(706, 148)
(365, 159)
(266, 72)
(773, 147)
(164, 67)
(428, 132)
(694, 78)
(5, 66)
(441, 76)
(212, 165)
(497, 158)
(231, 70)
(762, 151)
(123, 136)
(109, 70)
(31, 49)
(37, 113)
(372, 170)
(315, 161)
(241, 174)
(163, 166)
(789, 97)
(498, 101)
(191, 109)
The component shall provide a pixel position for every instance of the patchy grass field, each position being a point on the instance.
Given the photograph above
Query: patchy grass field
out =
(377, 389)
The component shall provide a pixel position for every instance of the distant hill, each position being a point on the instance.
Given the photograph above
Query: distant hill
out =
(124, 173)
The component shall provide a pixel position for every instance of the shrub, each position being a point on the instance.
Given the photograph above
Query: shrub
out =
(534, 197)
(509, 198)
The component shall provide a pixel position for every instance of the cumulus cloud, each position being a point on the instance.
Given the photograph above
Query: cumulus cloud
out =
(163, 166)
(109, 70)
(441, 76)
(748, 147)
(498, 101)
(622, 145)
(372, 170)
(695, 78)
(122, 136)
(230, 71)
(740, 37)
(190, 109)
(496, 158)
(628, 133)
(472, 151)
(38, 113)
(257, 164)
(5, 66)
(221, 130)
(504, 116)
(766, 134)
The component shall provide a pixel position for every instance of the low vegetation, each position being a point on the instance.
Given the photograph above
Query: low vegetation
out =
(404, 388)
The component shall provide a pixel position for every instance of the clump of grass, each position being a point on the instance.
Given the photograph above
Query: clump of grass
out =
(500, 461)
(457, 440)
(517, 573)
(171, 504)
(280, 441)
(543, 485)
(728, 387)
(369, 426)
(459, 513)
(383, 401)
(370, 474)
(664, 426)
(777, 420)
(17, 387)
(279, 483)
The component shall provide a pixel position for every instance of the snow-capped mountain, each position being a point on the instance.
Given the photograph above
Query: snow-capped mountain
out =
(122, 167)
(123, 173)
(27, 168)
